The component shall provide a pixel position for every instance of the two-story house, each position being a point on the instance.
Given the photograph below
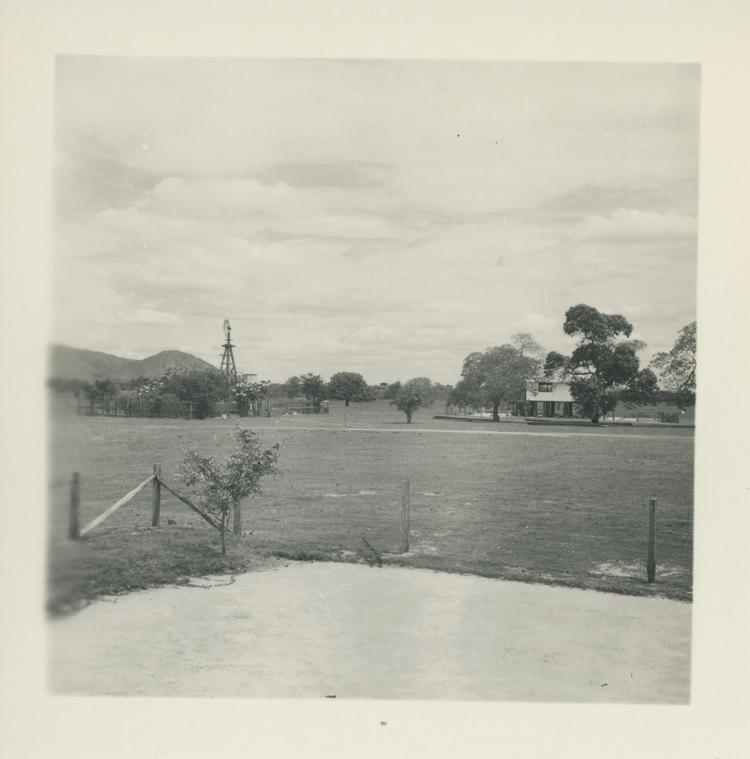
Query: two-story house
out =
(548, 398)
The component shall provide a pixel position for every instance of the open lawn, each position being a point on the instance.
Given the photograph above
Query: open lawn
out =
(560, 505)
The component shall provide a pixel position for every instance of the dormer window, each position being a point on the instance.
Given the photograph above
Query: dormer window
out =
(545, 387)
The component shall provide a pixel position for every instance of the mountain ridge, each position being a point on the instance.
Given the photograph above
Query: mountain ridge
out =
(66, 362)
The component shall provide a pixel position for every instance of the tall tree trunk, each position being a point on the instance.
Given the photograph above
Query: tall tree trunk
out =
(495, 409)
(223, 544)
(346, 401)
(408, 416)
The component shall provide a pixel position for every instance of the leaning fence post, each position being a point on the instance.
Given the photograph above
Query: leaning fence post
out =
(156, 496)
(405, 516)
(75, 503)
(237, 513)
(651, 561)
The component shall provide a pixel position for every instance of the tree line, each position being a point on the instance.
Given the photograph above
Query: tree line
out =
(602, 370)
(348, 387)
(199, 388)
(204, 388)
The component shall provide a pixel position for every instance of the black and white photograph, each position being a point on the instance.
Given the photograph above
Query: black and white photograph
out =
(374, 387)
(373, 379)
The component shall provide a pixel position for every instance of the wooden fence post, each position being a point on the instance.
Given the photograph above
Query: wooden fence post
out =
(237, 513)
(405, 516)
(75, 503)
(651, 561)
(156, 496)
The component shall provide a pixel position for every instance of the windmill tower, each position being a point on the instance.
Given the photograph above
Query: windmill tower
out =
(228, 366)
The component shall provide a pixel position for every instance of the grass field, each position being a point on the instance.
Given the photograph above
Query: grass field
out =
(554, 505)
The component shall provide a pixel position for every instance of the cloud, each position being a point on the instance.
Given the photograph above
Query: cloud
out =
(351, 175)
(248, 207)
(329, 224)
(628, 225)
(153, 316)
(677, 196)
(93, 173)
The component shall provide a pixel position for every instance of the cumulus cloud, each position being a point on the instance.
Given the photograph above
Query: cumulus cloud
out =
(398, 233)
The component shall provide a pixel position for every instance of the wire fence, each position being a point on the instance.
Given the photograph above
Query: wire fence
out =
(201, 408)
(627, 551)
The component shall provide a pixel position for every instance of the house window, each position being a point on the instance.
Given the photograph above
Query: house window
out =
(545, 387)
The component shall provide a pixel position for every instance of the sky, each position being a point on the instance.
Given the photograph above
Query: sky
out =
(383, 217)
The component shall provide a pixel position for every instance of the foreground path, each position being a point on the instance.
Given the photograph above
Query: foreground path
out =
(311, 630)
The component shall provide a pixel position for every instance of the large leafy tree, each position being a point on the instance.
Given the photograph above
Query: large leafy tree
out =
(411, 395)
(497, 377)
(201, 388)
(348, 386)
(677, 367)
(313, 388)
(603, 363)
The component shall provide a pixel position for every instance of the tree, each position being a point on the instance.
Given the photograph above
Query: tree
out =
(556, 366)
(313, 388)
(293, 387)
(441, 392)
(149, 393)
(411, 395)
(602, 363)
(465, 395)
(525, 344)
(101, 391)
(249, 396)
(376, 392)
(392, 390)
(496, 377)
(222, 488)
(348, 386)
(677, 367)
(276, 390)
(642, 389)
(201, 388)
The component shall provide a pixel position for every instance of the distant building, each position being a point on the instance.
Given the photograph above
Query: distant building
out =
(548, 398)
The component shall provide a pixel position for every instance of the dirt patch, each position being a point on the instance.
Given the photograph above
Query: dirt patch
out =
(316, 629)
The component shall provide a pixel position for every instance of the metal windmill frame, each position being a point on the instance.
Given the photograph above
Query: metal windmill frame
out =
(228, 366)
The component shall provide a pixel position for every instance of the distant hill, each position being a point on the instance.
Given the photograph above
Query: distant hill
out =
(76, 363)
